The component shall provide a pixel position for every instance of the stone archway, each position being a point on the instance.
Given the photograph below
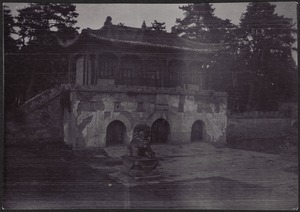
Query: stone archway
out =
(197, 134)
(160, 131)
(115, 133)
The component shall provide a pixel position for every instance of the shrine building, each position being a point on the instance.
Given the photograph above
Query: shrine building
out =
(123, 77)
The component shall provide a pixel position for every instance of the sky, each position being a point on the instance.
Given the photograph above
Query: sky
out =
(93, 15)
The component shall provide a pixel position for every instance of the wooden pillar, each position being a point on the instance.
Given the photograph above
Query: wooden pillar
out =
(118, 74)
(143, 75)
(93, 64)
(201, 80)
(183, 74)
(209, 80)
(96, 71)
(84, 70)
(166, 75)
(162, 72)
(89, 69)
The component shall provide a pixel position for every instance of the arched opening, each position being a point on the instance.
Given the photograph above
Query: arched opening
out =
(115, 133)
(160, 131)
(197, 134)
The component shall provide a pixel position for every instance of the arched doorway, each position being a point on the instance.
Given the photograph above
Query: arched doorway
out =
(115, 133)
(160, 130)
(197, 131)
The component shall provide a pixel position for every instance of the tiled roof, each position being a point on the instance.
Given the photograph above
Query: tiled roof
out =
(146, 37)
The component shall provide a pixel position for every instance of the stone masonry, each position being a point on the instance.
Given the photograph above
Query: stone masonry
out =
(92, 111)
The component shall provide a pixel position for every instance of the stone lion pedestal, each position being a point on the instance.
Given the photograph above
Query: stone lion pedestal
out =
(140, 168)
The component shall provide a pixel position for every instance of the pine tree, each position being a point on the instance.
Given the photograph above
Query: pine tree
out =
(40, 24)
(200, 24)
(265, 48)
(10, 44)
(10, 61)
(158, 26)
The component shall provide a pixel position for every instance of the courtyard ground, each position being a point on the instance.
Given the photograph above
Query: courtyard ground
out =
(194, 176)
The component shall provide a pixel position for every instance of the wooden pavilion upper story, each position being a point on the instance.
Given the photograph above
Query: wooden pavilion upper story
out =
(121, 55)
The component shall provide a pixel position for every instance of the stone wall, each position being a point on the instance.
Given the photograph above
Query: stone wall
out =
(45, 123)
(41, 99)
(257, 125)
(92, 111)
(289, 109)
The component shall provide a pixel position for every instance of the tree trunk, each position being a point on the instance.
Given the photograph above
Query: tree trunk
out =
(250, 101)
(28, 93)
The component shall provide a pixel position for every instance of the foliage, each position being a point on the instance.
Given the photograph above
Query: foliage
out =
(158, 26)
(9, 24)
(256, 67)
(264, 46)
(200, 24)
(39, 22)
(229, 75)
(10, 48)
(40, 63)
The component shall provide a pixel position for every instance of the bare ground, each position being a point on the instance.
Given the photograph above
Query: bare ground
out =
(196, 176)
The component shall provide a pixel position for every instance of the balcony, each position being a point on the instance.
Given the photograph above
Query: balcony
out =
(135, 90)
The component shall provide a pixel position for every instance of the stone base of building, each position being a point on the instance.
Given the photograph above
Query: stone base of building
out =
(108, 118)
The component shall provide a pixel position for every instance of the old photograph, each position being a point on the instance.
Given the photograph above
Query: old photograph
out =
(150, 106)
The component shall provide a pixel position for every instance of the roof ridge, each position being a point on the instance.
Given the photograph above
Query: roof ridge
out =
(146, 37)
(150, 44)
(162, 32)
